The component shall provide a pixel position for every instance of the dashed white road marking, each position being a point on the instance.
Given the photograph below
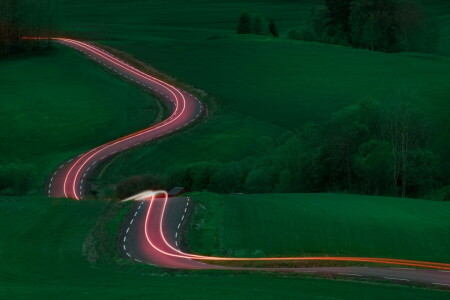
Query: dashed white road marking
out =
(128, 229)
(437, 283)
(349, 274)
(308, 271)
(393, 278)
(131, 222)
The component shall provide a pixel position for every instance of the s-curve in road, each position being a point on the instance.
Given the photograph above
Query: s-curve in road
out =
(152, 234)
(69, 180)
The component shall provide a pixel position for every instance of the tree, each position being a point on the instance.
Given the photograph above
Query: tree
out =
(422, 170)
(406, 130)
(345, 131)
(372, 165)
(244, 24)
(417, 32)
(259, 25)
(19, 18)
(339, 13)
(273, 28)
(373, 25)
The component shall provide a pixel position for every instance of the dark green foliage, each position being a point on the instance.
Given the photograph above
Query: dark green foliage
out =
(244, 24)
(363, 148)
(373, 167)
(378, 25)
(136, 184)
(259, 25)
(25, 18)
(16, 179)
(250, 23)
(273, 28)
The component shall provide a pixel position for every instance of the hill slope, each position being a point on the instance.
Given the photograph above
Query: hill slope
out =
(320, 225)
(41, 258)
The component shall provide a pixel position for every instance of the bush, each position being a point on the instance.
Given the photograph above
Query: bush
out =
(16, 179)
(250, 23)
(136, 184)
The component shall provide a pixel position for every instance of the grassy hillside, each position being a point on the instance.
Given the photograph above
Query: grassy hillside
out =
(41, 258)
(288, 83)
(54, 107)
(320, 225)
(281, 83)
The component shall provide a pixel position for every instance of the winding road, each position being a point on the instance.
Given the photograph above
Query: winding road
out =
(153, 232)
(69, 180)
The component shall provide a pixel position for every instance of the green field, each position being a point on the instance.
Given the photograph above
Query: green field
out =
(320, 225)
(41, 258)
(63, 104)
(281, 83)
(57, 106)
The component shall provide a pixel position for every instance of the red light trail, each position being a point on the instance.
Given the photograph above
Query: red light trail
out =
(152, 195)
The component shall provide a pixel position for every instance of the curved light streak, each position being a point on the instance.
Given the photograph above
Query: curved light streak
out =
(73, 174)
(151, 195)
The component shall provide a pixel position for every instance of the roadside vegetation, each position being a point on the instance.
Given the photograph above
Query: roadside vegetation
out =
(365, 148)
(319, 225)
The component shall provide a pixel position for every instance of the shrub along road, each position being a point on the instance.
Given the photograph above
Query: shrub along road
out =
(154, 238)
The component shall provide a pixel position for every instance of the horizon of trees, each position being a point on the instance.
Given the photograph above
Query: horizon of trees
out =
(251, 23)
(377, 25)
(25, 18)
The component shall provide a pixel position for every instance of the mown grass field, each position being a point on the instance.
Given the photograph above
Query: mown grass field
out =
(41, 258)
(320, 225)
(282, 84)
(57, 106)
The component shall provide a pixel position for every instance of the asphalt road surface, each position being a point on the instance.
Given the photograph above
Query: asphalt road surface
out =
(152, 234)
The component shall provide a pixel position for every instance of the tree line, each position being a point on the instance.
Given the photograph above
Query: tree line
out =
(251, 23)
(365, 148)
(377, 25)
(25, 18)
